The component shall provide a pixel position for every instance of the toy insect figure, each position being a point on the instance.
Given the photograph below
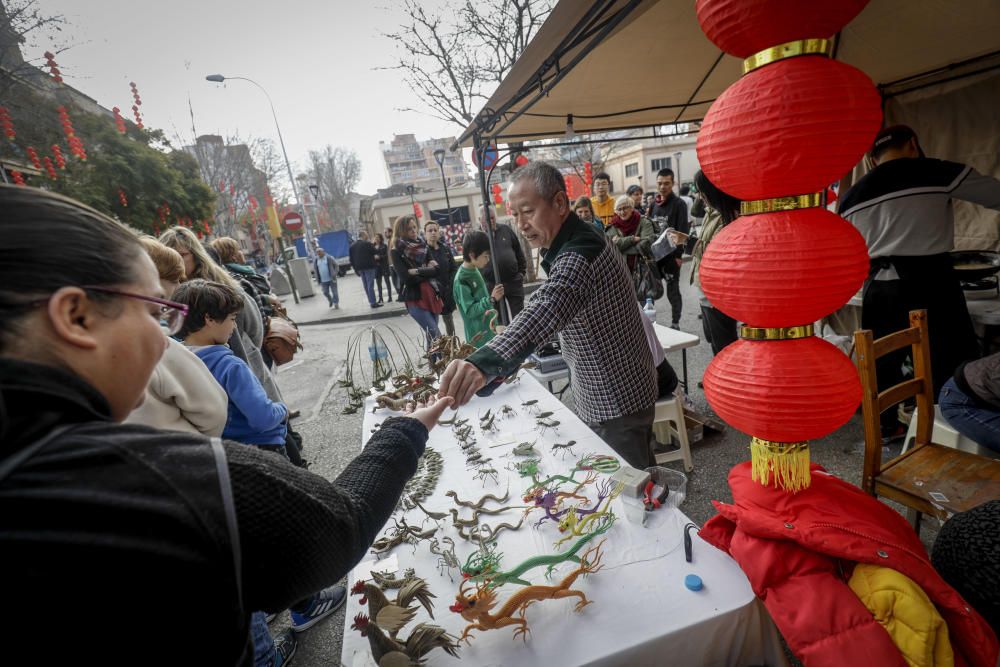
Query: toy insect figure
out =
(449, 422)
(545, 425)
(388, 580)
(564, 448)
(488, 424)
(436, 516)
(528, 468)
(532, 405)
(506, 412)
(476, 606)
(525, 449)
(446, 557)
(543, 415)
(487, 473)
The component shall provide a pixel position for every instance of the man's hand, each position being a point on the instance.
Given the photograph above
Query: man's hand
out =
(433, 264)
(680, 262)
(460, 381)
(497, 293)
(429, 412)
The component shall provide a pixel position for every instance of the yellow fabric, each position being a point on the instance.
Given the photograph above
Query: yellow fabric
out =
(604, 211)
(907, 614)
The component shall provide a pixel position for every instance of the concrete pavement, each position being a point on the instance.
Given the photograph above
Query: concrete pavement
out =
(333, 439)
(354, 306)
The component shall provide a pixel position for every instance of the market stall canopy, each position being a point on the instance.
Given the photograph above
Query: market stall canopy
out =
(616, 64)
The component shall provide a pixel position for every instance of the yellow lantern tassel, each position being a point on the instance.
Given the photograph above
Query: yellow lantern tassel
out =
(788, 462)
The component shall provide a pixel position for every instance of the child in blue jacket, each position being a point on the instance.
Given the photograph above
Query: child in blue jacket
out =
(253, 418)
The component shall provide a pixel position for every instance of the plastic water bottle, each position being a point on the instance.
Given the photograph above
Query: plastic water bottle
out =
(649, 310)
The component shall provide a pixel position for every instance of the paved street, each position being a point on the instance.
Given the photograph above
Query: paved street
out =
(332, 439)
(354, 305)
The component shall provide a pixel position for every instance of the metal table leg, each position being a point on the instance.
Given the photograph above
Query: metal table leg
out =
(684, 364)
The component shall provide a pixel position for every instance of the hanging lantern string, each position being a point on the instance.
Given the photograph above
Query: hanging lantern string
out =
(792, 203)
(777, 333)
(800, 47)
(787, 463)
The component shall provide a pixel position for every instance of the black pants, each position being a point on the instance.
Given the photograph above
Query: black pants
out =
(513, 293)
(382, 275)
(666, 379)
(720, 329)
(630, 436)
(924, 283)
(672, 274)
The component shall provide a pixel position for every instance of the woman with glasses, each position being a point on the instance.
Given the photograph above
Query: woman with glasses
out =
(181, 395)
(166, 537)
(632, 233)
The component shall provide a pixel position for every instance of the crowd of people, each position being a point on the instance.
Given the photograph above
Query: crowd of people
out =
(148, 451)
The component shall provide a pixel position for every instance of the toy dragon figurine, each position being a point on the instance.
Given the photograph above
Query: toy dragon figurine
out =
(484, 564)
(476, 606)
(575, 521)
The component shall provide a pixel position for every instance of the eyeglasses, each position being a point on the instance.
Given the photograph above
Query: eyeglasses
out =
(172, 314)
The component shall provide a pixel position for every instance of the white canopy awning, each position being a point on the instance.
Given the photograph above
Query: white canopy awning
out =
(616, 64)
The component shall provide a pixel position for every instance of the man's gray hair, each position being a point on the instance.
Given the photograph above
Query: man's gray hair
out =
(547, 179)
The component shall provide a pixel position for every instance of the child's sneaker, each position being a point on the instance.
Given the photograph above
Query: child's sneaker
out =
(284, 648)
(320, 606)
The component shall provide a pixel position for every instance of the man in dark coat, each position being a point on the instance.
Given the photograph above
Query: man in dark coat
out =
(444, 255)
(670, 212)
(510, 262)
(362, 255)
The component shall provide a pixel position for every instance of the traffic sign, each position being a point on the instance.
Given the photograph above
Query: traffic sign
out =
(292, 221)
(490, 156)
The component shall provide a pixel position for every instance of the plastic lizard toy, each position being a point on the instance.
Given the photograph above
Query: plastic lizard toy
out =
(484, 564)
(475, 606)
(573, 524)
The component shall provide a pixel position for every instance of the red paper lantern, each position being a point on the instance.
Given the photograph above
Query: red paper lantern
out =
(789, 128)
(50, 168)
(33, 156)
(59, 157)
(784, 268)
(783, 391)
(744, 27)
(7, 124)
(17, 176)
(521, 160)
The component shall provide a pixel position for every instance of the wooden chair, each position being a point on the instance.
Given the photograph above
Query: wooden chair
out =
(958, 480)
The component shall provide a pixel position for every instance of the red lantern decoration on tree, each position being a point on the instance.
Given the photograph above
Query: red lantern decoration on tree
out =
(137, 103)
(59, 157)
(33, 156)
(50, 62)
(122, 199)
(7, 124)
(119, 121)
(795, 122)
(17, 176)
(50, 168)
(75, 145)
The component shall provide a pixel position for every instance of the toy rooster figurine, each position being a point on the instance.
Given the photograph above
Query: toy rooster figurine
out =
(390, 652)
(390, 615)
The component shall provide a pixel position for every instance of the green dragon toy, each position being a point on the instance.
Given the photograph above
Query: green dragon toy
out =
(484, 565)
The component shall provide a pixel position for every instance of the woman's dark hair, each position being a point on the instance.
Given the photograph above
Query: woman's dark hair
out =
(584, 202)
(727, 205)
(206, 299)
(474, 245)
(47, 242)
(632, 189)
(379, 239)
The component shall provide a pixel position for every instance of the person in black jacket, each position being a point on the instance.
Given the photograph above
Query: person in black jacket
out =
(510, 262)
(362, 254)
(416, 270)
(137, 525)
(670, 212)
(382, 267)
(444, 255)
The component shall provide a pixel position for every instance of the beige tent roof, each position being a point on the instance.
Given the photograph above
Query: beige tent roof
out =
(646, 62)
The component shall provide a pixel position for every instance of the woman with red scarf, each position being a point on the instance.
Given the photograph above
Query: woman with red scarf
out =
(632, 233)
(416, 272)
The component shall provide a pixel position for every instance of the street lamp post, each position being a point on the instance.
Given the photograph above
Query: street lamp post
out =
(439, 157)
(413, 203)
(219, 78)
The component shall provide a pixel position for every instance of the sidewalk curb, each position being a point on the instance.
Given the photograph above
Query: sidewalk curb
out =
(347, 319)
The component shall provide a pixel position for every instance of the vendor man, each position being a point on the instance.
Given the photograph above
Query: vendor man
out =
(588, 298)
(903, 209)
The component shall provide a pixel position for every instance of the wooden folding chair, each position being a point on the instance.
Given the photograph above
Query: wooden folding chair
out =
(928, 478)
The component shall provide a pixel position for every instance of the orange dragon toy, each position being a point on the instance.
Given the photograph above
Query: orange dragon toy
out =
(475, 607)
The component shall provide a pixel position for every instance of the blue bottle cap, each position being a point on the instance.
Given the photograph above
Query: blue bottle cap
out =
(693, 582)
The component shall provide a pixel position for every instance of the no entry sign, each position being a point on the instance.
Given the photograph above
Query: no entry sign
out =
(292, 221)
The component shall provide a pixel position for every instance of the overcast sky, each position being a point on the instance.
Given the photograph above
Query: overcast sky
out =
(316, 58)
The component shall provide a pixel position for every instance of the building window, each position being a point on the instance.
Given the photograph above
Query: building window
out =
(660, 163)
(632, 169)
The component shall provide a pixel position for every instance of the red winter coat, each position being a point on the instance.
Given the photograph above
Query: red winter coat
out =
(798, 551)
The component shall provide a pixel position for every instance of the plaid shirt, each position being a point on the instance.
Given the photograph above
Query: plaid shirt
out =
(589, 299)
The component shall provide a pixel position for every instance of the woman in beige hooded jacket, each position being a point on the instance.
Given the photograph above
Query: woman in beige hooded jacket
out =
(181, 395)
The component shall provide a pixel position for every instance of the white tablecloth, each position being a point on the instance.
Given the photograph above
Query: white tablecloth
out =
(642, 612)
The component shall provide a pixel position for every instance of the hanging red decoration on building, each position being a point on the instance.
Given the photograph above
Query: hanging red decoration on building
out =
(50, 62)
(33, 156)
(58, 155)
(815, 261)
(417, 211)
(17, 176)
(122, 198)
(794, 123)
(137, 103)
(812, 112)
(119, 121)
(7, 124)
(75, 145)
(521, 160)
(50, 169)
